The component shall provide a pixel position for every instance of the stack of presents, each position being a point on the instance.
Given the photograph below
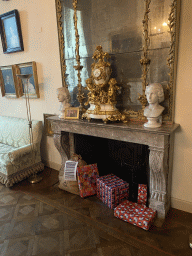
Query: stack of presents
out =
(114, 192)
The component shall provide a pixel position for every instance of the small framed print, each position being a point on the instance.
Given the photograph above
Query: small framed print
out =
(33, 87)
(72, 113)
(10, 29)
(8, 81)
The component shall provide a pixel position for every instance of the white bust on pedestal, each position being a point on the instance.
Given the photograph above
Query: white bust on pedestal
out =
(155, 94)
(64, 97)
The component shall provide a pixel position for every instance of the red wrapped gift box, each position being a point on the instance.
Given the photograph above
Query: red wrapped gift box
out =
(142, 194)
(87, 176)
(136, 214)
(100, 190)
(112, 190)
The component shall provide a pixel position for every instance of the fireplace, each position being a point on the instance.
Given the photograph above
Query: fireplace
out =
(158, 147)
(128, 161)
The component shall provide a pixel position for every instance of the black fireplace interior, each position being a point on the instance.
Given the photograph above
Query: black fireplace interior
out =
(128, 161)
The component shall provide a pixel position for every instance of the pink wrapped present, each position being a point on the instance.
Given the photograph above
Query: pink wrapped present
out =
(87, 176)
(112, 190)
(136, 214)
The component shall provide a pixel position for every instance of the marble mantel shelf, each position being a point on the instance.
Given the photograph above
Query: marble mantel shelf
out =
(160, 143)
(76, 125)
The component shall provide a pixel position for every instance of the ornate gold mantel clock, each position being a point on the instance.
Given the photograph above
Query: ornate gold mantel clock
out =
(102, 90)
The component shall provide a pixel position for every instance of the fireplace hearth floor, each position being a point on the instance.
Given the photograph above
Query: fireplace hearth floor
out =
(91, 228)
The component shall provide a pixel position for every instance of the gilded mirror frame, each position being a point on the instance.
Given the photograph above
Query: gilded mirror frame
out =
(174, 18)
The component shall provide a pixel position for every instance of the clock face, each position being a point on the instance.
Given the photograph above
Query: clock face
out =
(96, 72)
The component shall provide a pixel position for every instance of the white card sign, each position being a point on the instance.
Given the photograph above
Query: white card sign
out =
(70, 170)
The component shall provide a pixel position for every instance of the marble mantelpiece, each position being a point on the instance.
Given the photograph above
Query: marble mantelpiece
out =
(159, 141)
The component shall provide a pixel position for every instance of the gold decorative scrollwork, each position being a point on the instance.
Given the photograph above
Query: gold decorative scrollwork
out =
(102, 90)
(78, 67)
(61, 41)
(145, 61)
(171, 59)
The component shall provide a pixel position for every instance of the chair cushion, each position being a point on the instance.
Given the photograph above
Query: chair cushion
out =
(15, 131)
(4, 150)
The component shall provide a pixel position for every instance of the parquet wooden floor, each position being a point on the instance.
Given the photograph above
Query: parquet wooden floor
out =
(40, 219)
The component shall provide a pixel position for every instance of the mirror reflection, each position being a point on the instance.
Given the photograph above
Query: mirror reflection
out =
(117, 26)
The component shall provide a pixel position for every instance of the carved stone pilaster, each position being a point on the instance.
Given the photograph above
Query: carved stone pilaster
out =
(158, 164)
(61, 142)
(64, 142)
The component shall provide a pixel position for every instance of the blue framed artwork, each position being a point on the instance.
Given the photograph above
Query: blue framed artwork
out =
(32, 86)
(8, 81)
(10, 29)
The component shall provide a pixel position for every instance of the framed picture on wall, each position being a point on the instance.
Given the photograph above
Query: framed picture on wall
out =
(33, 87)
(10, 29)
(8, 81)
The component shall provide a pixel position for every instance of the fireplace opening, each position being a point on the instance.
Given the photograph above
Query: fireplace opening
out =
(128, 161)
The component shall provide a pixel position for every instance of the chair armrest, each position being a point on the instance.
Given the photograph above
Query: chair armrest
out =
(21, 151)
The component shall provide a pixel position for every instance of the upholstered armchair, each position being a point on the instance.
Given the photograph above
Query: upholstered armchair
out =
(17, 159)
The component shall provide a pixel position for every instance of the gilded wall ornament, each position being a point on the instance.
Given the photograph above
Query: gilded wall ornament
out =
(78, 67)
(102, 90)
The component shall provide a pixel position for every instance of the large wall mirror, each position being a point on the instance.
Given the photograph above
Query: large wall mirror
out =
(140, 36)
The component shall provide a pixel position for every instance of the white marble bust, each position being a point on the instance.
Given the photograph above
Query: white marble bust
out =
(64, 97)
(155, 94)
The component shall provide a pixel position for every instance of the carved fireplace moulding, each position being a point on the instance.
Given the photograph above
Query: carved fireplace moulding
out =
(143, 48)
(159, 141)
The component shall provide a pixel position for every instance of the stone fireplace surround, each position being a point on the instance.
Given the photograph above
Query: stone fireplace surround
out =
(160, 143)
